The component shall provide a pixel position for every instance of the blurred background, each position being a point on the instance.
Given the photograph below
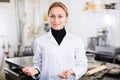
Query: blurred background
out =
(97, 22)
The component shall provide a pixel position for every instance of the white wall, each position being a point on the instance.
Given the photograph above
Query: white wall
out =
(8, 27)
(34, 19)
(81, 23)
(86, 23)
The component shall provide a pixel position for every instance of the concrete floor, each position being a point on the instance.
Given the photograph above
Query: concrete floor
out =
(2, 76)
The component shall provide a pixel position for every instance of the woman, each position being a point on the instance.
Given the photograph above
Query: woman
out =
(58, 54)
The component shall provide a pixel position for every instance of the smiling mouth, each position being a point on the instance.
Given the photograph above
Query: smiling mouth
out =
(56, 24)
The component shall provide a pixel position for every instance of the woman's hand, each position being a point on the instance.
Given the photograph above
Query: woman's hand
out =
(30, 71)
(66, 74)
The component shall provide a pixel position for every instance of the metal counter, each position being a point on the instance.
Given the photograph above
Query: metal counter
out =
(16, 64)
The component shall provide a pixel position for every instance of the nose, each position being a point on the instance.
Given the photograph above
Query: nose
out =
(56, 19)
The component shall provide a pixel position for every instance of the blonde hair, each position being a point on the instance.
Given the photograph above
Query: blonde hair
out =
(58, 4)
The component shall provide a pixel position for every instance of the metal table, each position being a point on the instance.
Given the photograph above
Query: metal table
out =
(14, 71)
(20, 62)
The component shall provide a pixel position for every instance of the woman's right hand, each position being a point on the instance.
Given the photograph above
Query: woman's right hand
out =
(66, 74)
(30, 71)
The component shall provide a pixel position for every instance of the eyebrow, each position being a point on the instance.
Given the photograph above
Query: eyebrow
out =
(57, 14)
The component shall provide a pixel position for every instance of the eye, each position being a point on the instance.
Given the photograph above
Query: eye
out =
(60, 16)
(52, 16)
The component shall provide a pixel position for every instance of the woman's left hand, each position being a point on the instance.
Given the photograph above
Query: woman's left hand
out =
(66, 74)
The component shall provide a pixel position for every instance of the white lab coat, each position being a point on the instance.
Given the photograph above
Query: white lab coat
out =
(52, 59)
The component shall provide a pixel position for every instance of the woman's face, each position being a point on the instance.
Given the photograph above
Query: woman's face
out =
(57, 17)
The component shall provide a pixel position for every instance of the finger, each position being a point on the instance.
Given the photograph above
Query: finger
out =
(29, 74)
(25, 69)
(67, 74)
(62, 76)
(32, 73)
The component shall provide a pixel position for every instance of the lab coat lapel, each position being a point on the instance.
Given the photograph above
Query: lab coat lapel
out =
(65, 39)
(51, 38)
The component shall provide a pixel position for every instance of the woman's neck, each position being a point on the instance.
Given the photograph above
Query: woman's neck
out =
(58, 34)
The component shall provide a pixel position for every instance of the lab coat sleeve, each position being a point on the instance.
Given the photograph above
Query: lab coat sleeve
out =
(81, 65)
(37, 61)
